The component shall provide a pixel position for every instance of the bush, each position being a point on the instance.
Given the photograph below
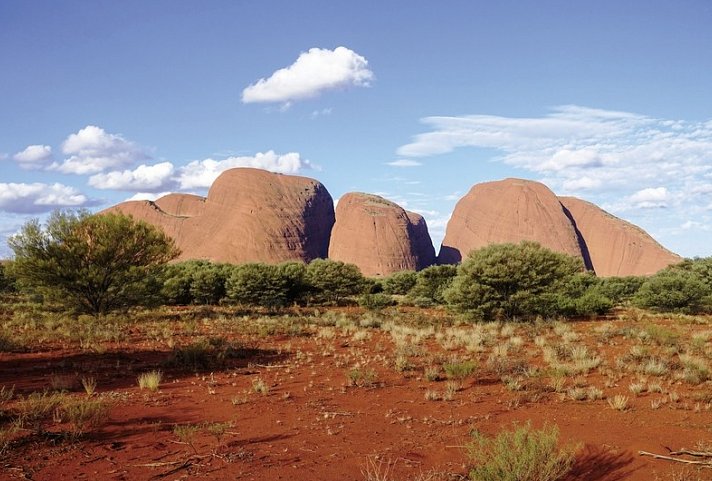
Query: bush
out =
(674, 290)
(258, 285)
(7, 278)
(399, 283)
(512, 280)
(375, 301)
(207, 284)
(582, 295)
(92, 264)
(522, 454)
(621, 289)
(330, 281)
(431, 284)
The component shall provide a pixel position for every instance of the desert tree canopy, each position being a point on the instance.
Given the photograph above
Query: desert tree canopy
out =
(91, 263)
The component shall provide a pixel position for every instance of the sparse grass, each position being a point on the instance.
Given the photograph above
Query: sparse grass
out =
(85, 414)
(432, 373)
(520, 454)
(619, 402)
(260, 386)
(459, 370)
(150, 380)
(186, 434)
(361, 377)
(89, 385)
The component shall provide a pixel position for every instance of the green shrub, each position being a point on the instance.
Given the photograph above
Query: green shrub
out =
(400, 283)
(459, 370)
(207, 284)
(258, 285)
(506, 281)
(330, 281)
(674, 290)
(375, 302)
(431, 284)
(522, 454)
(621, 289)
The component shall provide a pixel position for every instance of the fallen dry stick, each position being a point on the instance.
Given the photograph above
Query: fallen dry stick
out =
(702, 464)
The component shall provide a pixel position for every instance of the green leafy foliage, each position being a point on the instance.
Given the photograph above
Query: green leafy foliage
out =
(506, 281)
(400, 283)
(266, 285)
(332, 281)
(675, 289)
(92, 263)
(431, 284)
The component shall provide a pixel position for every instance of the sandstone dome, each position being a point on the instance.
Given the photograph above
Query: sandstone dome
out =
(508, 211)
(249, 215)
(616, 247)
(379, 236)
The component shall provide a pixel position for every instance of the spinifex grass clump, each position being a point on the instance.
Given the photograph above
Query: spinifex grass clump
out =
(522, 454)
(150, 380)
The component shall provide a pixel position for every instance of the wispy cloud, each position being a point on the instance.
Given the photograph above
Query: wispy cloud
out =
(624, 160)
(313, 72)
(404, 163)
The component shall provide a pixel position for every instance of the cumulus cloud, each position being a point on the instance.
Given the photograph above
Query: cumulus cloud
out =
(651, 197)
(150, 178)
(313, 72)
(34, 198)
(92, 150)
(200, 174)
(34, 157)
(404, 163)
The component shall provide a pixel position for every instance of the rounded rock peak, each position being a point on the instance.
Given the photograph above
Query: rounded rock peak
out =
(379, 236)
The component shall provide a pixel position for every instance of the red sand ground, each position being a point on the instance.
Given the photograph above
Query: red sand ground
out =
(312, 425)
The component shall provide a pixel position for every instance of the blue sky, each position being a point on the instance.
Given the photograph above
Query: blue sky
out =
(610, 101)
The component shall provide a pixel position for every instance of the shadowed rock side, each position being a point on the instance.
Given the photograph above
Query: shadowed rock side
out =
(249, 215)
(510, 210)
(617, 247)
(379, 236)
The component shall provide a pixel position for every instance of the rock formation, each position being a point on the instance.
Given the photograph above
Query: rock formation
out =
(509, 210)
(616, 247)
(379, 236)
(249, 215)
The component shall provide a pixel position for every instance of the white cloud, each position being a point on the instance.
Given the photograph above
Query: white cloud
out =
(313, 72)
(34, 157)
(146, 196)
(200, 174)
(320, 113)
(93, 150)
(651, 197)
(404, 163)
(144, 177)
(37, 197)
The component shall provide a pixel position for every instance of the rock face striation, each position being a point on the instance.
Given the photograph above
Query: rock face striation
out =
(513, 210)
(616, 247)
(379, 236)
(510, 210)
(249, 215)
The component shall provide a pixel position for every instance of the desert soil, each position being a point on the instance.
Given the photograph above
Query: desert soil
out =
(313, 424)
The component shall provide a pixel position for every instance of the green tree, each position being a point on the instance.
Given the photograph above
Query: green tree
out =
(207, 283)
(400, 282)
(332, 281)
(431, 284)
(674, 290)
(511, 280)
(92, 263)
